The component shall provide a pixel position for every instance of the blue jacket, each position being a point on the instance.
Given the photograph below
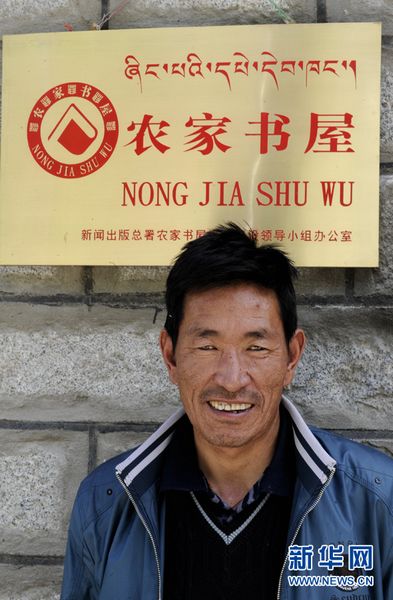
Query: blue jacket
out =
(343, 497)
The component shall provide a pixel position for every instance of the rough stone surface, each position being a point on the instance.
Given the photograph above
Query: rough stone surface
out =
(33, 280)
(320, 282)
(127, 280)
(172, 13)
(385, 446)
(104, 365)
(345, 377)
(379, 281)
(30, 583)
(33, 16)
(387, 104)
(111, 444)
(72, 363)
(361, 10)
(39, 473)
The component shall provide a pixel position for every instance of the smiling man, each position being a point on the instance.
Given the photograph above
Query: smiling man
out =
(234, 496)
(231, 363)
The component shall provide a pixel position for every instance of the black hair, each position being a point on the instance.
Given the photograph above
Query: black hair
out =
(228, 255)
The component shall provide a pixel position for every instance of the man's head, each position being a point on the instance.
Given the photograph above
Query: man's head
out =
(230, 342)
(225, 256)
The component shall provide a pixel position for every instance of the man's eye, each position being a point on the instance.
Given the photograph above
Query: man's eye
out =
(255, 348)
(207, 347)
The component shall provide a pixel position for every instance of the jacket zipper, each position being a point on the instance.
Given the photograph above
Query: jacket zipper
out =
(311, 508)
(148, 532)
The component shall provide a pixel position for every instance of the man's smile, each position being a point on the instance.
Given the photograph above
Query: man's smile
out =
(233, 407)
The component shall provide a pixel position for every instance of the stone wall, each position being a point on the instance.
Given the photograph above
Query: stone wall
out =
(80, 374)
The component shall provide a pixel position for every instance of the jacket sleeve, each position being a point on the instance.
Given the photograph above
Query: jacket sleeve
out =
(388, 578)
(77, 580)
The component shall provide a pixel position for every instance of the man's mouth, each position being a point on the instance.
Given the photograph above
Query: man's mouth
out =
(233, 407)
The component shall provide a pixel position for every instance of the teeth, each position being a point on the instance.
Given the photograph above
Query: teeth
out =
(228, 407)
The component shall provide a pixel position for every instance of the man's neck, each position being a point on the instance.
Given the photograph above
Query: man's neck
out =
(231, 472)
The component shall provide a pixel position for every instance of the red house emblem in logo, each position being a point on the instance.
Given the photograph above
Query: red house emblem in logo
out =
(72, 130)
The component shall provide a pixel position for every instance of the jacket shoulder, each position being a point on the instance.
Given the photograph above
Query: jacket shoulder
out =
(368, 466)
(105, 472)
(100, 489)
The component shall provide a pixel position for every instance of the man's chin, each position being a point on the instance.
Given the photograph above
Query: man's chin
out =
(223, 440)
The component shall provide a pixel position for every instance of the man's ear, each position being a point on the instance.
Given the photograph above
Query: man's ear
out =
(168, 355)
(296, 346)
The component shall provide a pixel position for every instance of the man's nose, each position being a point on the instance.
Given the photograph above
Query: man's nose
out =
(231, 372)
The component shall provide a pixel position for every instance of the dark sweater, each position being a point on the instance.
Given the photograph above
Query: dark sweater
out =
(199, 565)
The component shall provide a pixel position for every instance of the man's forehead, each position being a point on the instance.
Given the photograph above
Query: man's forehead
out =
(248, 303)
(198, 330)
(214, 295)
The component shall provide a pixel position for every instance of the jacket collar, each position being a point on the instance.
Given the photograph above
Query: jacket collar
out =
(314, 463)
(140, 469)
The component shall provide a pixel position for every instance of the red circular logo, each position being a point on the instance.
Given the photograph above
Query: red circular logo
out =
(72, 130)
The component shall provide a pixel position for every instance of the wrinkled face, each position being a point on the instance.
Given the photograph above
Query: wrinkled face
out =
(231, 363)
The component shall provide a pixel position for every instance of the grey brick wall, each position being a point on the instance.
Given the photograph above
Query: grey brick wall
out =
(80, 373)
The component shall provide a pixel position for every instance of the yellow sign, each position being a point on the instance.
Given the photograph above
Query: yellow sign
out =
(120, 146)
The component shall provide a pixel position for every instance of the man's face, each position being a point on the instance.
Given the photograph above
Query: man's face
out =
(231, 363)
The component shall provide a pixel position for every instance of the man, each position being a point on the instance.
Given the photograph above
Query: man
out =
(236, 496)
